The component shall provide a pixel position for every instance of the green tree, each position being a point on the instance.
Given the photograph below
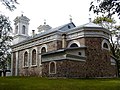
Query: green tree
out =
(109, 23)
(5, 36)
(106, 7)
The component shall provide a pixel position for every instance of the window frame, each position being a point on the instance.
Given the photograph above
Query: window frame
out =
(32, 57)
(73, 45)
(40, 58)
(16, 29)
(74, 41)
(23, 29)
(108, 45)
(54, 67)
(27, 59)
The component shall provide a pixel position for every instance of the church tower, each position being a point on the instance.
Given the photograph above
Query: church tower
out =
(21, 29)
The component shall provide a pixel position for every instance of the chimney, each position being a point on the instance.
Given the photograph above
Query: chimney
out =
(64, 43)
(33, 32)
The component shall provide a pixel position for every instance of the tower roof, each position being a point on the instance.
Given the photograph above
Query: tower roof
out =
(21, 18)
(44, 27)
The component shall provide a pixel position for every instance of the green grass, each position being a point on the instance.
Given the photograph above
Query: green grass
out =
(37, 83)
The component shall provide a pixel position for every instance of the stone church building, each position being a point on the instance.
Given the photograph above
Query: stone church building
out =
(64, 51)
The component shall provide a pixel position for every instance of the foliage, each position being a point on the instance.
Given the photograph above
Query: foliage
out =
(108, 7)
(37, 83)
(5, 38)
(105, 22)
(10, 4)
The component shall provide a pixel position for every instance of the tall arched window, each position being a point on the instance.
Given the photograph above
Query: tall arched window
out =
(74, 45)
(26, 58)
(43, 50)
(23, 29)
(16, 30)
(52, 67)
(34, 57)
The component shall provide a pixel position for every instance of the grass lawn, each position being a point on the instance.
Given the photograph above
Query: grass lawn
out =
(37, 83)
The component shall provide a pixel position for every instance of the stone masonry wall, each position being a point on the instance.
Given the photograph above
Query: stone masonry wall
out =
(98, 60)
(66, 68)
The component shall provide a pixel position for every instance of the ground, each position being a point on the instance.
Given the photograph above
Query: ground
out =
(37, 83)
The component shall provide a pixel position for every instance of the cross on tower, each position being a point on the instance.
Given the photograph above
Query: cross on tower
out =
(22, 13)
(70, 18)
(44, 21)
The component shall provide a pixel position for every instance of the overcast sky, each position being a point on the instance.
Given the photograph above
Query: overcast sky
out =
(56, 12)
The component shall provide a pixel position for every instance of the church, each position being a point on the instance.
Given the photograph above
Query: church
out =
(65, 51)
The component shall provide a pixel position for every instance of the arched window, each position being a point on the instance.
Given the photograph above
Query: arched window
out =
(52, 67)
(43, 50)
(34, 57)
(74, 45)
(16, 30)
(26, 58)
(105, 45)
(23, 29)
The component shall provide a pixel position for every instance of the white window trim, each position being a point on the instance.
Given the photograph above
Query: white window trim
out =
(74, 41)
(45, 45)
(31, 57)
(105, 41)
(27, 60)
(50, 67)
(40, 58)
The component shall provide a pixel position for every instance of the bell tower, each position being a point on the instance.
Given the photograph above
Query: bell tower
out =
(21, 29)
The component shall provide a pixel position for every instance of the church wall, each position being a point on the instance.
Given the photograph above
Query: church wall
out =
(59, 44)
(14, 64)
(34, 70)
(29, 70)
(97, 64)
(55, 45)
(65, 68)
(80, 40)
(98, 60)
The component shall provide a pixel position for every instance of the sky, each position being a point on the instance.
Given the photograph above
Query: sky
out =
(56, 12)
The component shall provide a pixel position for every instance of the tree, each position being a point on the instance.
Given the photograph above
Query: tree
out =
(105, 22)
(109, 23)
(106, 7)
(5, 37)
(10, 4)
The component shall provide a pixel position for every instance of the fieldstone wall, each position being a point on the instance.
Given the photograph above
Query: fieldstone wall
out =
(98, 62)
(65, 68)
